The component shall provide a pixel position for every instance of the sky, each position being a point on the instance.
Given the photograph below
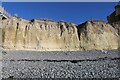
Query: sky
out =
(76, 12)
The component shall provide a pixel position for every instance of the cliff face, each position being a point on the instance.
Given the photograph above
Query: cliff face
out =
(116, 25)
(22, 34)
(97, 35)
(40, 35)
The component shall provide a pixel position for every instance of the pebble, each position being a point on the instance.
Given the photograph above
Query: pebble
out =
(44, 69)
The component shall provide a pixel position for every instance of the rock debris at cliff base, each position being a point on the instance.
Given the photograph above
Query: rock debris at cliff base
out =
(37, 64)
(46, 35)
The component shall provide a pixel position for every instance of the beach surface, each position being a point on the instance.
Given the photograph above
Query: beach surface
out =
(60, 64)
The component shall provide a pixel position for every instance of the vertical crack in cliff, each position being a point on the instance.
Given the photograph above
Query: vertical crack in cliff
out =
(25, 30)
(78, 33)
(3, 37)
(61, 29)
(16, 31)
(80, 29)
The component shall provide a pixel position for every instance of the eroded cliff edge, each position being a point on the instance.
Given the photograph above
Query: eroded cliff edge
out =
(42, 35)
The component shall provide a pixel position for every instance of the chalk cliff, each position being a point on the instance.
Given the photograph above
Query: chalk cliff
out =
(116, 25)
(39, 35)
(20, 34)
(97, 35)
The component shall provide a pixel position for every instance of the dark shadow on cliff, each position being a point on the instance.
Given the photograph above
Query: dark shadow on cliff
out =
(80, 28)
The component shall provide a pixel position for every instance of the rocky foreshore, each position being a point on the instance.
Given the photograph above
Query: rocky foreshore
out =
(61, 64)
